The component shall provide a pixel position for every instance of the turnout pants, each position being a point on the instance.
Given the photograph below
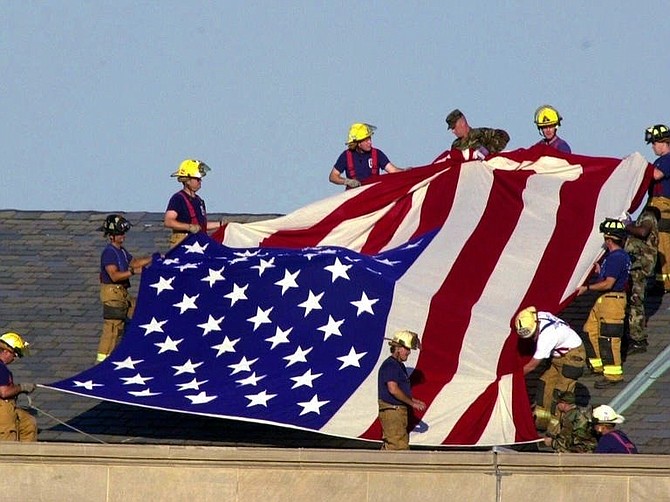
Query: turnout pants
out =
(117, 307)
(663, 205)
(604, 330)
(394, 419)
(16, 424)
(561, 376)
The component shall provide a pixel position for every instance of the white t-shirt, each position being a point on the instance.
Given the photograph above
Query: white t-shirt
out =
(556, 337)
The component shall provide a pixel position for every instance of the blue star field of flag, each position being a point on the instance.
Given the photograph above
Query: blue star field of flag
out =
(269, 335)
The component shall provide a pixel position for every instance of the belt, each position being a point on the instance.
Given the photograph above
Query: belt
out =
(615, 295)
(114, 285)
(179, 232)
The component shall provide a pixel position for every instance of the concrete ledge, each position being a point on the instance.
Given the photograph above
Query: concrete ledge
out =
(91, 472)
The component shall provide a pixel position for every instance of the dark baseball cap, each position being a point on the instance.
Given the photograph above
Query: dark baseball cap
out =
(567, 397)
(453, 117)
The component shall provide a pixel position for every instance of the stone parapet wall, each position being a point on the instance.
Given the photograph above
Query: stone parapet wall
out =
(90, 472)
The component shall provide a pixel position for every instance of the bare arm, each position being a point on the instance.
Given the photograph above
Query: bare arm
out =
(604, 285)
(658, 174)
(397, 392)
(531, 365)
(10, 391)
(336, 177)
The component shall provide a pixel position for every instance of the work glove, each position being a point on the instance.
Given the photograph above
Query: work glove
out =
(27, 388)
(193, 229)
(352, 183)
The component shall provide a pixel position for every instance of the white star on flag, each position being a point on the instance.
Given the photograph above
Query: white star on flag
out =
(128, 363)
(338, 269)
(211, 325)
(213, 276)
(332, 328)
(137, 379)
(192, 385)
(187, 303)
(261, 317)
(312, 406)
(238, 293)
(243, 365)
(88, 385)
(201, 398)
(163, 284)
(144, 393)
(168, 345)
(196, 247)
(351, 359)
(312, 302)
(289, 281)
(261, 399)
(187, 367)
(226, 345)
(153, 327)
(299, 356)
(305, 379)
(280, 336)
(251, 379)
(187, 267)
(264, 264)
(364, 304)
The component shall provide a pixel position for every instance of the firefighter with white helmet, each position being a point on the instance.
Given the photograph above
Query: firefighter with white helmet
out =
(360, 160)
(604, 327)
(557, 341)
(548, 120)
(117, 266)
(394, 392)
(186, 213)
(16, 424)
(605, 420)
(659, 137)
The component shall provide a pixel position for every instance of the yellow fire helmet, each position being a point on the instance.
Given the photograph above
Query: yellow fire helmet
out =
(15, 343)
(605, 414)
(191, 168)
(525, 322)
(407, 339)
(359, 132)
(547, 116)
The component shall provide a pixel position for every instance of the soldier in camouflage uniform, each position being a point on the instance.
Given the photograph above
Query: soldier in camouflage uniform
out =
(573, 431)
(642, 246)
(482, 140)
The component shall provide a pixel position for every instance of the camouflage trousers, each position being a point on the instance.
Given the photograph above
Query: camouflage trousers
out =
(394, 426)
(637, 320)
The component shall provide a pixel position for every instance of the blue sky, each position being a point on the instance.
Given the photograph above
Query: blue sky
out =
(102, 100)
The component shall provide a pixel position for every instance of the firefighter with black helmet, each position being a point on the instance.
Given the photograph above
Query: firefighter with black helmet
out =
(394, 392)
(16, 424)
(659, 137)
(117, 266)
(604, 327)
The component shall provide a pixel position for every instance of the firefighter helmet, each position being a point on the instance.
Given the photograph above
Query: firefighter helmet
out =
(191, 168)
(525, 322)
(613, 228)
(359, 132)
(115, 224)
(407, 339)
(656, 133)
(604, 414)
(15, 343)
(547, 116)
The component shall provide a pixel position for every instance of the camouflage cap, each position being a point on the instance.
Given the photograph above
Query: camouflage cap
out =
(453, 117)
(567, 397)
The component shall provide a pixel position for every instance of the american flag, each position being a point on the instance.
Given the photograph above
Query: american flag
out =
(286, 323)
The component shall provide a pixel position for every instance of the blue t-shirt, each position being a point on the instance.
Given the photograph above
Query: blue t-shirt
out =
(558, 143)
(392, 370)
(616, 264)
(661, 188)
(362, 163)
(112, 255)
(615, 442)
(6, 377)
(178, 204)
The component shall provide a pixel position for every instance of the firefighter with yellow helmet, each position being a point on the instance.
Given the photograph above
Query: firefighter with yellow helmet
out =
(659, 137)
(394, 392)
(548, 120)
(16, 424)
(604, 327)
(186, 213)
(360, 160)
(557, 341)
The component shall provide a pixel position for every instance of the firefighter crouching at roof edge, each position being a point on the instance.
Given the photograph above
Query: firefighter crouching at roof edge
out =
(360, 160)
(394, 392)
(16, 424)
(604, 327)
(557, 341)
(186, 213)
(117, 266)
